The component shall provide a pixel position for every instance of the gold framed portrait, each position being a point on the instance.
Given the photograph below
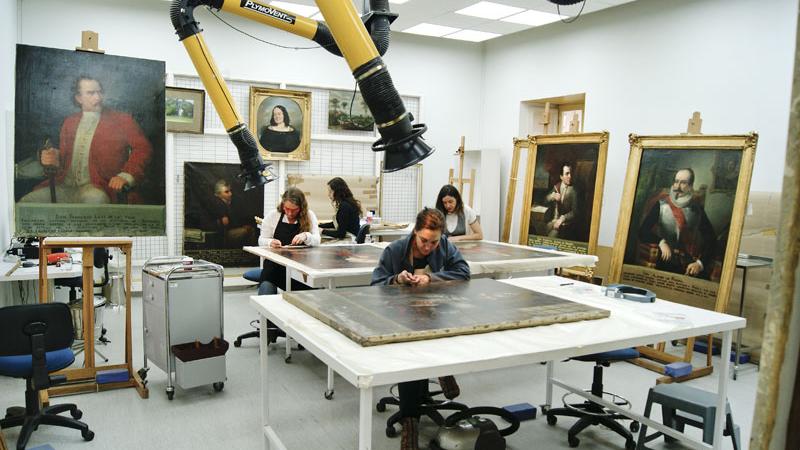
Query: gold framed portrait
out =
(681, 216)
(280, 120)
(563, 191)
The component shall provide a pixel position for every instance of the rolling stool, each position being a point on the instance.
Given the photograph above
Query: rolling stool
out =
(430, 407)
(682, 405)
(273, 332)
(591, 413)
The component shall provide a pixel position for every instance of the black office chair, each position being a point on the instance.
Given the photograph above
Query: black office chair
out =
(431, 407)
(591, 413)
(362, 233)
(35, 340)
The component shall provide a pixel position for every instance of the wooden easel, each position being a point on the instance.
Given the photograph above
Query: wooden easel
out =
(89, 42)
(83, 379)
(655, 358)
(461, 180)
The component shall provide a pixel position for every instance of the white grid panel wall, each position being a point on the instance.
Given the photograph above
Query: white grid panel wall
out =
(334, 152)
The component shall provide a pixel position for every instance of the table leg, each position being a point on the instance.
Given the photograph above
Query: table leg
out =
(722, 389)
(264, 343)
(288, 340)
(549, 384)
(739, 331)
(365, 419)
(329, 390)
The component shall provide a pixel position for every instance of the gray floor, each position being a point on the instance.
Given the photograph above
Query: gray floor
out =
(203, 419)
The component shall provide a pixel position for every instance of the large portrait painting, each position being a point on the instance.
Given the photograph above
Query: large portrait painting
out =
(281, 123)
(681, 218)
(347, 110)
(563, 191)
(219, 215)
(89, 144)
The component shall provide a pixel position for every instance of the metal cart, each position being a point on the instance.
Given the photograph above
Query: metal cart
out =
(182, 303)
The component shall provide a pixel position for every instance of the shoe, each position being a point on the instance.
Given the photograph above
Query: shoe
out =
(449, 387)
(409, 437)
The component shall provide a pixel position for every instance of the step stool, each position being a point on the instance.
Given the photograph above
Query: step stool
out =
(683, 405)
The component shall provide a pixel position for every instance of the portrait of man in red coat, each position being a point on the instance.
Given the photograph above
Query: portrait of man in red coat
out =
(102, 154)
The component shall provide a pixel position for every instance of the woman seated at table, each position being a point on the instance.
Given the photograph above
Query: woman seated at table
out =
(292, 223)
(462, 221)
(348, 210)
(424, 256)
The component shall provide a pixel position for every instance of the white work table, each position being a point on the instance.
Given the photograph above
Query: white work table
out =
(630, 324)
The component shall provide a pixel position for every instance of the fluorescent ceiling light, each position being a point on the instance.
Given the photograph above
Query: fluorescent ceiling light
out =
(303, 10)
(429, 29)
(533, 18)
(472, 35)
(489, 10)
(398, 2)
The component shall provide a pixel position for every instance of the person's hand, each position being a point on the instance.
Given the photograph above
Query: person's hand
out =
(422, 279)
(405, 277)
(117, 183)
(559, 222)
(225, 221)
(556, 196)
(694, 269)
(300, 239)
(455, 238)
(49, 157)
(275, 243)
(666, 252)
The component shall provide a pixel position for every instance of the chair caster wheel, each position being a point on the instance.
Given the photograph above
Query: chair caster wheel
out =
(328, 395)
(573, 441)
(76, 414)
(87, 435)
(630, 444)
(634, 427)
(170, 395)
(391, 432)
(380, 407)
(237, 343)
(218, 386)
(551, 420)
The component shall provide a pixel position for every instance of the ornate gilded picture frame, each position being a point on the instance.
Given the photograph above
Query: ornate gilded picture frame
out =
(681, 216)
(280, 120)
(563, 191)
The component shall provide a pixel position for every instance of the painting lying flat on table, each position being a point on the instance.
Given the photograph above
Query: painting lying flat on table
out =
(378, 315)
(333, 256)
(481, 251)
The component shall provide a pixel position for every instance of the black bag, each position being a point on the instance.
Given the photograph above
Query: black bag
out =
(466, 430)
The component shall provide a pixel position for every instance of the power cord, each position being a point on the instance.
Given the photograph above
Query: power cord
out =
(558, 8)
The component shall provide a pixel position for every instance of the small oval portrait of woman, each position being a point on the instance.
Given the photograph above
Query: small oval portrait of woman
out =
(280, 124)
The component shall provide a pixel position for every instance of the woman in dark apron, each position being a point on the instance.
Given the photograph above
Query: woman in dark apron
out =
(292, 223)
(461, 221)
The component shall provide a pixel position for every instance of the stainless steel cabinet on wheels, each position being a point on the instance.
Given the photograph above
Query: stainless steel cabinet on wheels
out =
(182, 304)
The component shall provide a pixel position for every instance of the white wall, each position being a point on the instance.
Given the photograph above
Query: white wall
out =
(645, 67)
(8, 36)
(446, 74)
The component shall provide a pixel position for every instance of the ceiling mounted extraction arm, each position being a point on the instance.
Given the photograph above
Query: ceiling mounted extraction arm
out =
(343, 33)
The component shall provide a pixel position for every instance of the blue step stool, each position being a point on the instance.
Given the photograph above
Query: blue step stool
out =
(683, 405)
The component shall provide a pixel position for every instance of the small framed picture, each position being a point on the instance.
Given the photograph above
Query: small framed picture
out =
(681, 217)
(348, 111)
(184, 110)
(280, 120)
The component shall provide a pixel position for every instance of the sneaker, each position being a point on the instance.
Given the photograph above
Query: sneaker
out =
(449, 387)
(409, 437)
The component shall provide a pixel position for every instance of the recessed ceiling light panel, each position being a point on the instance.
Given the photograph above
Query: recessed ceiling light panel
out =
(472, 35)
(489, 10)
(429, 29)
(533, 18)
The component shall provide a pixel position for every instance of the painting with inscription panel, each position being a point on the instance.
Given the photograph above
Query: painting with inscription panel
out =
(681, 217)
(88, 144)
(378, 315)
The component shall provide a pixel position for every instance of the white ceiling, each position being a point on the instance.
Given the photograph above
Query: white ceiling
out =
(442, 12)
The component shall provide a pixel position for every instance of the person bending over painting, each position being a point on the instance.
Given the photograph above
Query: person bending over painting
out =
(424, 256)
(348, 210)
